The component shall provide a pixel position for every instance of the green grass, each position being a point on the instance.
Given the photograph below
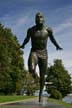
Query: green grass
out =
(60, 102)
(13, 98)
(16, 98)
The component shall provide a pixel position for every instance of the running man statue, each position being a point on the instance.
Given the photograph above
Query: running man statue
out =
(39, 34)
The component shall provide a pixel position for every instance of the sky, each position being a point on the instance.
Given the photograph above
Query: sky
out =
(19, 15)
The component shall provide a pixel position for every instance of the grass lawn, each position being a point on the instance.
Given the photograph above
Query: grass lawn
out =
(13, 98)
(60, 102)
(16, 98)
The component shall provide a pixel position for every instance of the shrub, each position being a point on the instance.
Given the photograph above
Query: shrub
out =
(56, 94)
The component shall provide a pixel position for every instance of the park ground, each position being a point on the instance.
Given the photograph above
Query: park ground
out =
(12, 99)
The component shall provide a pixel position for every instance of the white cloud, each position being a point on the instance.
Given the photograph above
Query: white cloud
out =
(22, 20)
(63, 26)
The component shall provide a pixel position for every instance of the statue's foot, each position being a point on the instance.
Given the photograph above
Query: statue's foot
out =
(40, 99)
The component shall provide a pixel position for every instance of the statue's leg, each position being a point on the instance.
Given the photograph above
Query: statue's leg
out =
(43, 68)
(32, 62)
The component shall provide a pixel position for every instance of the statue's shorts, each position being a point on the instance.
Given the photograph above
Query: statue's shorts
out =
(39, 57)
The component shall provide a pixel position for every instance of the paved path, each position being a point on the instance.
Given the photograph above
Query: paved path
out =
(31, 103)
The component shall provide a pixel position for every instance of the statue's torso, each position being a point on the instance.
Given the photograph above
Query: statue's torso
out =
(39, 38)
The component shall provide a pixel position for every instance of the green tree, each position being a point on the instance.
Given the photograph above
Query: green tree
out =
(58, 75)
(11, 61)
(30, 85)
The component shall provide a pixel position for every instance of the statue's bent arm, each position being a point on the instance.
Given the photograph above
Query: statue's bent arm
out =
(53, 39)
(26, 40)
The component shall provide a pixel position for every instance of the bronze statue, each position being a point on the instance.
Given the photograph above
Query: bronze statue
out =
(39, 34)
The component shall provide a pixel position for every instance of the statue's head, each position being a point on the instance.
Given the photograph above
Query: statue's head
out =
(39, 18)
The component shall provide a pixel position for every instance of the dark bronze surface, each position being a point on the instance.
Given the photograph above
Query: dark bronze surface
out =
(39, 35)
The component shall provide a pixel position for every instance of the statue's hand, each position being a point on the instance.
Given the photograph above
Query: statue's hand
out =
(59, 48)
(22, 46)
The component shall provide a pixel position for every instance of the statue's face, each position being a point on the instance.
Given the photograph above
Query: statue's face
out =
(39, 18)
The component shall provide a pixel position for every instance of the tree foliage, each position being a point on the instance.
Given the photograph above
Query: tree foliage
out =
(56, 94)
(11, 61)
(30, 85)
(58, 75)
